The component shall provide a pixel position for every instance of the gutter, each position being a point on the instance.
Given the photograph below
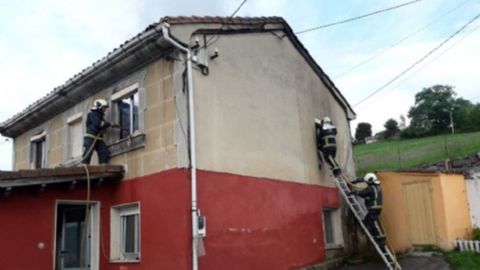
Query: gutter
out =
(193, 160)
(126, 49)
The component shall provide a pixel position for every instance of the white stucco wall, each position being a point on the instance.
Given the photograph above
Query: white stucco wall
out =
(255, 111)
(473, 190)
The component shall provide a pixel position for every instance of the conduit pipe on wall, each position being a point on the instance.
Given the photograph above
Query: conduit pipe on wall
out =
(193, 154)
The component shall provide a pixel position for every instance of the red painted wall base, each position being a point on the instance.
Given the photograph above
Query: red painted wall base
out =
(252, 223)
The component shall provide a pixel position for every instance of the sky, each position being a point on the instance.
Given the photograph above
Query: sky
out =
(43, 43)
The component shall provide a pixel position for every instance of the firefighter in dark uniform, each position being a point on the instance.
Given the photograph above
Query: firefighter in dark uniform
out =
(326, 143)
(373, 201)
(93, 139)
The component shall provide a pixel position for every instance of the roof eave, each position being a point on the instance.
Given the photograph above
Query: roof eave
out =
(135, 53)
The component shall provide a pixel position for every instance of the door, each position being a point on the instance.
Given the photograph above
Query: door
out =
(421, 220)
(73, 237)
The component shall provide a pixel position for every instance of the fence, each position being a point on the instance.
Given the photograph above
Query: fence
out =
(411, 153)
(467, 245)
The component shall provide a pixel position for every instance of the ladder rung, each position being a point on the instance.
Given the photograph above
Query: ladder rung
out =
(357, 209)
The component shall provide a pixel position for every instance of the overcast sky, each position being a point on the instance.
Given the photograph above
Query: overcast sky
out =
(45, 42)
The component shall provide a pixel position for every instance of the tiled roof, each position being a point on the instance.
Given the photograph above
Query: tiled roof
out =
(178, 20)
(221, 20)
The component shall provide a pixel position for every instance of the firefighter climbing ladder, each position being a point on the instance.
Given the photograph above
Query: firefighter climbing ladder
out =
(352, 201)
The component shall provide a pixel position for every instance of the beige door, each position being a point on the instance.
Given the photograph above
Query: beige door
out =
(420, 216)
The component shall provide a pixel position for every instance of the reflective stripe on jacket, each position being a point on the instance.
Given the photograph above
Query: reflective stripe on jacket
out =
(373, 196)
(325, 136)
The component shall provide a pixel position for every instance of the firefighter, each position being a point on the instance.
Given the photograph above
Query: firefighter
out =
(373, 201)
(93, 139)
(326, 143)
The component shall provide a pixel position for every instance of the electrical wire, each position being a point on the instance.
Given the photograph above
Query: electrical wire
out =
(418, 61)
(356, 18)
(419, 30)
(426, 64)
(207, 43)
(431, 61)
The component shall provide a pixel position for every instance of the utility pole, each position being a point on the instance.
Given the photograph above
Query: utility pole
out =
(451, 121)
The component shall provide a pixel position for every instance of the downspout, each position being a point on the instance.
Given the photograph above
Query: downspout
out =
(193, 153)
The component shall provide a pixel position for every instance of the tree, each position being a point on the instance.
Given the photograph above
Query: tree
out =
(463, 113)
(391, 128)
(363, 131)
(431, 113)
(474, 118)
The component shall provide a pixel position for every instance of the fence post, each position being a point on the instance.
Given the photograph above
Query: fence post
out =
(399, 158)
(445, 141)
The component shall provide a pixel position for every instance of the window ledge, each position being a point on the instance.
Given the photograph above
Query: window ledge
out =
(125, 261)
(128, 144)
(333, 246)
(71, 162)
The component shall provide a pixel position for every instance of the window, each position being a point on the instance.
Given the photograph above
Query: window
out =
(127, 104)
(328, 225)
(332, 228)
(75, 136)
(128, 108)
(125, 231)
(37, 150)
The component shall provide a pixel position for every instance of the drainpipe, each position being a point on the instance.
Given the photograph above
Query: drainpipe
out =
(193, 153)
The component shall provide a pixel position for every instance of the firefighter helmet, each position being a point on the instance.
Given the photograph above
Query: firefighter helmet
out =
(100, 103)
(371, 178)
(326, 119)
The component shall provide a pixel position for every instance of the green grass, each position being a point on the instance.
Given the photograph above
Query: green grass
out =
(463, 260)
(401, 154)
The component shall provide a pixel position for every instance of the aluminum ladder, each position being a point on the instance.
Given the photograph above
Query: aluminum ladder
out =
(359, 212)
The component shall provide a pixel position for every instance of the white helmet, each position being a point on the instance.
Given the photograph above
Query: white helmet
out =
(100, 103)
(371, 178)
(326, 119)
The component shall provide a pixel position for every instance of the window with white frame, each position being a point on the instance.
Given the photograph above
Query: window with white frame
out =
(126, 102)
(328, 226)
(125, 233)
(37, 150)
(75, 136)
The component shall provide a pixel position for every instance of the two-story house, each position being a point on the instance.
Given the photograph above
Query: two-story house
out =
(216, 158)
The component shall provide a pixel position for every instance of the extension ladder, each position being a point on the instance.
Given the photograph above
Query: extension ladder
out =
(360, 212)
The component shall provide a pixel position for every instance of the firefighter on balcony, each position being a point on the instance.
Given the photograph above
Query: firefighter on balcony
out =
(326, 143)
(373, 201)
(93, 139)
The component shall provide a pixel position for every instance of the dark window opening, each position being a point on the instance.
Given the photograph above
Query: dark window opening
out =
(128, 115)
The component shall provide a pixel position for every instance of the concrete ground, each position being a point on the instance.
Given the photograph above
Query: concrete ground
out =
(409, 262)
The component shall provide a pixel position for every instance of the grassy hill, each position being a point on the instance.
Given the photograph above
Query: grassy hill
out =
(401, 154)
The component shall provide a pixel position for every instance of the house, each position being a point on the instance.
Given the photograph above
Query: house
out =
(217, 155)
(424, 208)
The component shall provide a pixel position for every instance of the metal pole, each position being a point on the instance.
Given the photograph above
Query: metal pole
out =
(451, 121)
(193, 160)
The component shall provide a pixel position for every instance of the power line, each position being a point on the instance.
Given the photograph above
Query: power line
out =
(357, 17)
(238, 8)
(223, 25)
(418, 61)
(430, 62)
(419, 30)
